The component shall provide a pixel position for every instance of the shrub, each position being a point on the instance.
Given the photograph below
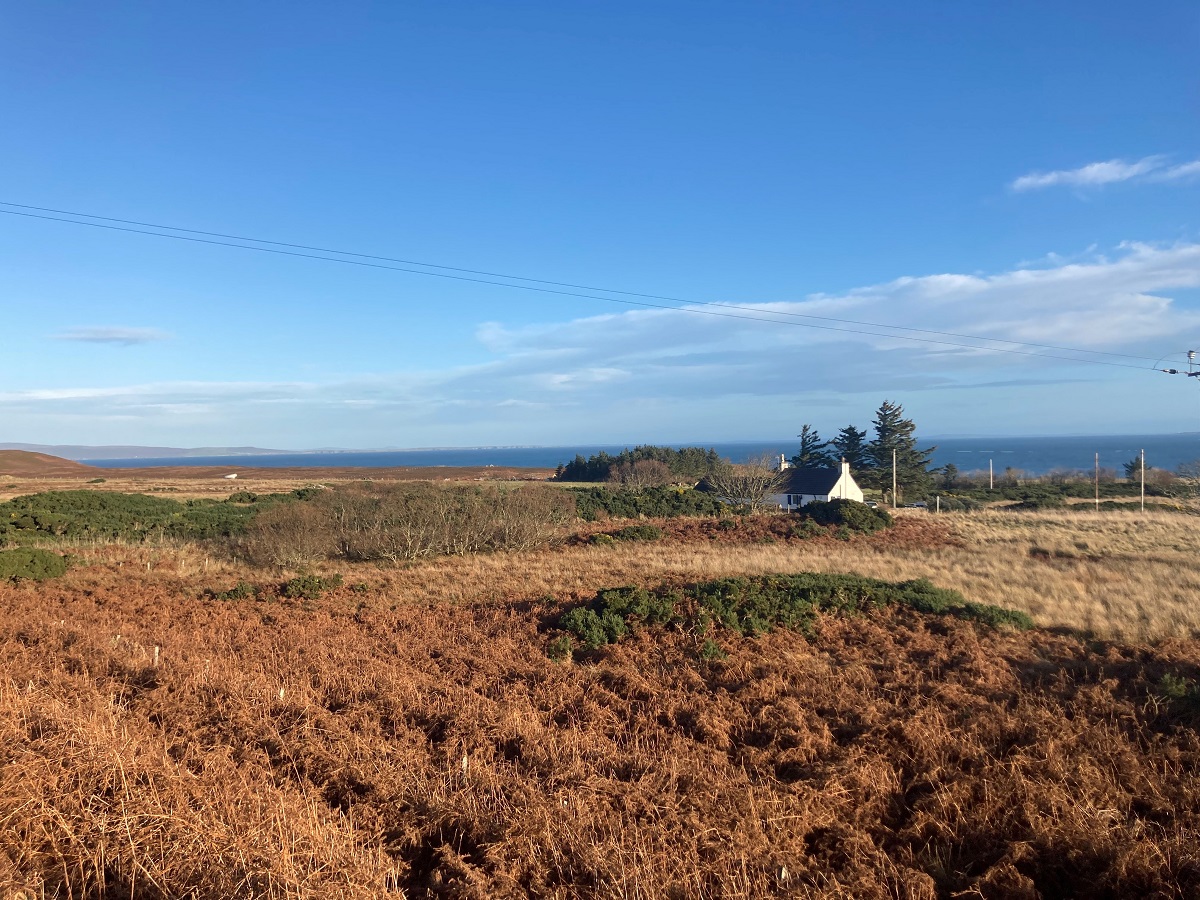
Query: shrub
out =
(594, 629)
(685, 464)
(408, 521)
(995, 616)
(97, 481)
(203, 519)
(638, 533)
(1181, 694)
(955, 503)
(560, 648)
(239, 591)
(1039, 500)
(31, 563)
(289, 535)
(658, 502)
(851, 514)
(754, 605)
(310, 587)
(807, 528)
(86, 514)
(603, 540)
(639, 604)
(136, 517)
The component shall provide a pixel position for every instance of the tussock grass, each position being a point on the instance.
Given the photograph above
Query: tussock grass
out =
(1113, 575)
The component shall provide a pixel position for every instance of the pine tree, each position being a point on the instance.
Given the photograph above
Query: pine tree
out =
(949, 476)
(851, 445)
(893, 432)
(813, 452)
(1133, 468)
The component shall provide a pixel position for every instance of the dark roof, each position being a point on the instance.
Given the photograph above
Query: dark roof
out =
(809, 481)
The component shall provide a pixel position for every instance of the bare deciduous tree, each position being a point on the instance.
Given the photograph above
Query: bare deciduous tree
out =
(408, 520)
(749, 483)
(641, 474)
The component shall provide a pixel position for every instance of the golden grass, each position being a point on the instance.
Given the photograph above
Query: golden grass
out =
(1115, 575)
(188, 482)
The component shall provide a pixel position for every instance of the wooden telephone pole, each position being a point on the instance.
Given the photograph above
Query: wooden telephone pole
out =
(1143, 455)
(893, 479)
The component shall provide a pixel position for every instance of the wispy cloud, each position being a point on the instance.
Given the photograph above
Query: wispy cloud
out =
(657, 373)
(113, 334)
(1097, 174)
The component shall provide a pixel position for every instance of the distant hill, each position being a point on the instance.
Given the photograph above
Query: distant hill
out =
(82, 451)
(25, 464)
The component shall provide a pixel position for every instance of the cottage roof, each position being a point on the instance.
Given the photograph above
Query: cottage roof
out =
(809, 481)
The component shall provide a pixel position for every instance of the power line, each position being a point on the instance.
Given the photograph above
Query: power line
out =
(572, 293)
(558, 284)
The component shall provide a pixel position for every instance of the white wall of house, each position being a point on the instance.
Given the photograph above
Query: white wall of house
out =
(845, 488)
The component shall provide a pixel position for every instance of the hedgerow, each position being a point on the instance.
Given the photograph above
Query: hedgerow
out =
(754, 605)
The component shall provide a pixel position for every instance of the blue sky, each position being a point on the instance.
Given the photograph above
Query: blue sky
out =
(1018, 171)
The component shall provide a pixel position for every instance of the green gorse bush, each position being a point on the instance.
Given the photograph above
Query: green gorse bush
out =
(755, 605)
(32, 563)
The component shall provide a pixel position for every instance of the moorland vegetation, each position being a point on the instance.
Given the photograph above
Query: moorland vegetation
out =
(173, 725)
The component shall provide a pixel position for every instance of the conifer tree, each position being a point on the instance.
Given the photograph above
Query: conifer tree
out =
(851, 445)
(894, 432)
(813, 452)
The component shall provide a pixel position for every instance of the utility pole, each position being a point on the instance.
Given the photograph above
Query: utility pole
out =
(1192, 371)
(1097, 482)
(1143, 479)
(893, 479)
(991, 477)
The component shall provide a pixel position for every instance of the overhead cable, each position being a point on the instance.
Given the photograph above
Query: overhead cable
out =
(711, 308)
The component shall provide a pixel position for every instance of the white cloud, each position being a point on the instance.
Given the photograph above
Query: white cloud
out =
(656, 373)
(1180, 172)
(1149, 168)
(111, 334)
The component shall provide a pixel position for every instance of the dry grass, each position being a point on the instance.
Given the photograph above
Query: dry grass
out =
(209, 482)
(414, 739)
(1111, 575)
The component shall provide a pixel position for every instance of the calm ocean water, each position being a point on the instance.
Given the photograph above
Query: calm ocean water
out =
(1034, 455)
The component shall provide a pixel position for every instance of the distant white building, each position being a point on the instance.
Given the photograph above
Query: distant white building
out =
(801, 486)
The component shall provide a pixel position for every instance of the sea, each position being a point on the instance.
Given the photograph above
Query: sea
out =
(1030, 455)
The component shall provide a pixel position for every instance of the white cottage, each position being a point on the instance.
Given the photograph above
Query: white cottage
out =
(800, 486)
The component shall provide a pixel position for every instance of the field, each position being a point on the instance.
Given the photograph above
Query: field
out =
(408, 733)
